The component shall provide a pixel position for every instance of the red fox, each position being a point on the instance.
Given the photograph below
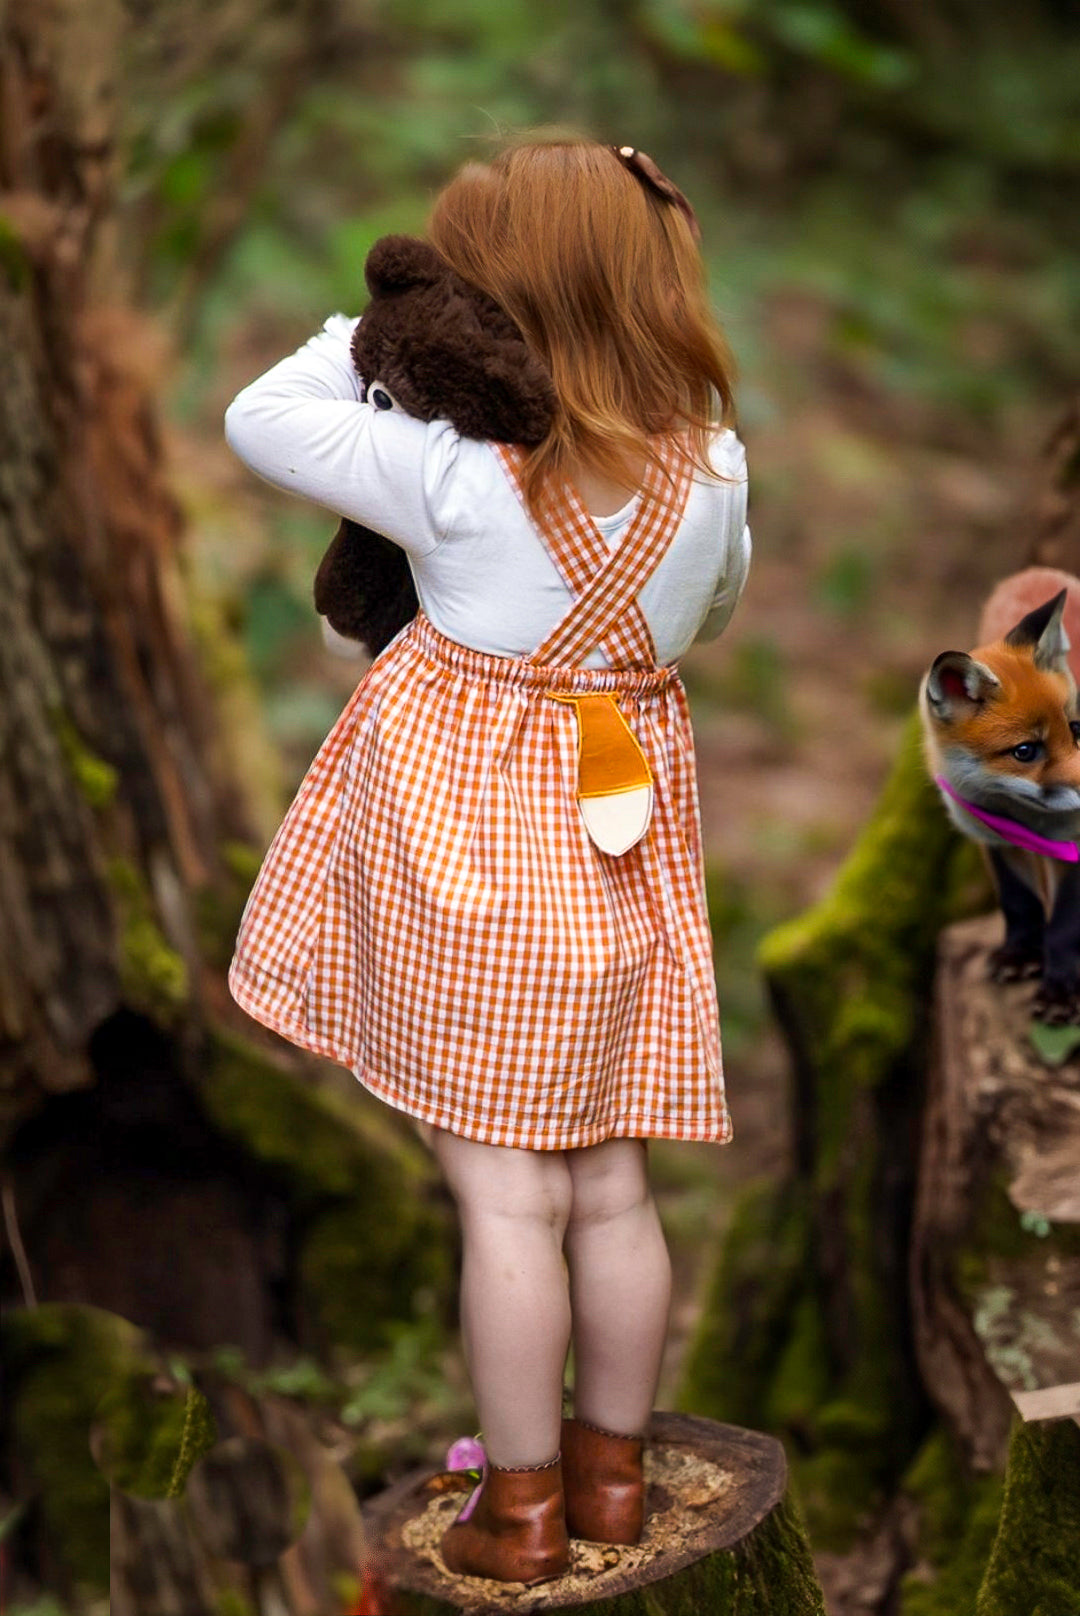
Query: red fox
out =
(1001, 730)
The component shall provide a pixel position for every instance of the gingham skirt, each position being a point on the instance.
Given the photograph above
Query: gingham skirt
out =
(432, 914)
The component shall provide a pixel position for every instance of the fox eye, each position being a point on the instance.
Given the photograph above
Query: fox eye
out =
(1027, 751)
(1074, 725)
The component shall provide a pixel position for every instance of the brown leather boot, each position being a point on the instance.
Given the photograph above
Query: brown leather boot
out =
(517, 1532)
(603, 1483)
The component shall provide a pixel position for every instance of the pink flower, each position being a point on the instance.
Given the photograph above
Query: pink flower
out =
(468, 1454)
(465, 1454)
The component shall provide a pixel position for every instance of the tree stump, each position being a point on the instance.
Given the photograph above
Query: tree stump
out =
(721, 1536)
(996, 1237)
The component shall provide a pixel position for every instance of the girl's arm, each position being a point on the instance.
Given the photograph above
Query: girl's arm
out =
(303, 427)
(737, 544)
(730, 590)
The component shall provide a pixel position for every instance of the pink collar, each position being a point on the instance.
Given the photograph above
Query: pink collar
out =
(1012, 831)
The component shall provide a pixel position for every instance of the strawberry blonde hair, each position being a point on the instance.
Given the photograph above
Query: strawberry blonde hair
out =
(605, 281)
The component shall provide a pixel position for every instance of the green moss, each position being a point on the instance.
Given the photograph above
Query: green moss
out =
(323, 1144)
(215, 624)
(363, 1267)
(377, 1245)
(956, 1522)
(1034, 1564)
(14, 262)
(231, 1602)
(218, 907)
(799, 1383)
(197, 1436)
(153, 974)
(96, 779)
(149, 1440)
(746, 1319)
(840, 1490)
(60, 1360)
(852, 969)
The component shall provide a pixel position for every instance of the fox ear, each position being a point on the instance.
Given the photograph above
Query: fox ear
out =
(957, 684)
(1045, 631)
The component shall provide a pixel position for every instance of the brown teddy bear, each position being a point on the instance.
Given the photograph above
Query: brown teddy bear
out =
(438, 348)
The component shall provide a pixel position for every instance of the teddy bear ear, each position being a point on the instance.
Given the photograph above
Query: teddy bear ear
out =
(396, 263)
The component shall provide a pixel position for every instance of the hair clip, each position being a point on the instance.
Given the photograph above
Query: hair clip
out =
(641, 164)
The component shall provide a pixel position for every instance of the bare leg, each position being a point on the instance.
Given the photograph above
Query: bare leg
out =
(620, 1285)
(515, 1308)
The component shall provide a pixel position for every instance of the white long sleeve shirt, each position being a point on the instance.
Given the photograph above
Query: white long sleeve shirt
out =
(482, 573)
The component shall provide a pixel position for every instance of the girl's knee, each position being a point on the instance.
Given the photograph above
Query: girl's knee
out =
(608, 1180)
(506, 1182)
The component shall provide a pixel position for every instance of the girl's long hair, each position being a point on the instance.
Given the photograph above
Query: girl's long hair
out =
(606, 283)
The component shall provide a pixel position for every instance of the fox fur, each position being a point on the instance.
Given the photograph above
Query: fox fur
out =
(1001, 724)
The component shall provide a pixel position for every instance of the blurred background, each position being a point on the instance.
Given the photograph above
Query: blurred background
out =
(888, 194)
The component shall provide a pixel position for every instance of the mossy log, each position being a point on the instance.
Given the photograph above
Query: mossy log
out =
(721, 1536)
(996, 1234)
(806, 1330)
(170, 1495)
(1035, 1562)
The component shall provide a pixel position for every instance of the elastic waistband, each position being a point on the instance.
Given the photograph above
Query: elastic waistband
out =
(446, 653)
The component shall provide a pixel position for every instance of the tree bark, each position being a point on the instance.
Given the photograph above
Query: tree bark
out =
(166, 1162)
(996, 1234)
(112, 813)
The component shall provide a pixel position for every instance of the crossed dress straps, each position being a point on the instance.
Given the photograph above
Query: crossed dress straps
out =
(615, 783)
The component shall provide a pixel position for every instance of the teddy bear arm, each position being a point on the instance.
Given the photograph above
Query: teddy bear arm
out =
(363, 586)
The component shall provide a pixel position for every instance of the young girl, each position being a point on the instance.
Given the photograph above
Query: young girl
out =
(487, 897)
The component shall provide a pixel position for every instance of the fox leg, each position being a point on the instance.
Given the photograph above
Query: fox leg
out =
(1020, 957)
(1058, 998)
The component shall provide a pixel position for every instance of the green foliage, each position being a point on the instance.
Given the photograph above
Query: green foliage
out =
(322, 1145)
(1034, 1565)
(756, 680)
(846, 582)
(742, 37)
(408, 1374)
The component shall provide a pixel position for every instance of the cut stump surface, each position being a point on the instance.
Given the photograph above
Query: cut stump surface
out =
(714, 1493)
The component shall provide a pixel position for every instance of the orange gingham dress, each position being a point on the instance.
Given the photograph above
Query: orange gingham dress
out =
(433, 915)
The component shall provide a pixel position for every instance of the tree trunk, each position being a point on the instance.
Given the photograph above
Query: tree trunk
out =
(167, 1162)
(806, 1329)
(996, 1235)
(996, 1266)
(720, 1536)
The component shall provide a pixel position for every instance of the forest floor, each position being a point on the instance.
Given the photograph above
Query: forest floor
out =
(880, 520)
